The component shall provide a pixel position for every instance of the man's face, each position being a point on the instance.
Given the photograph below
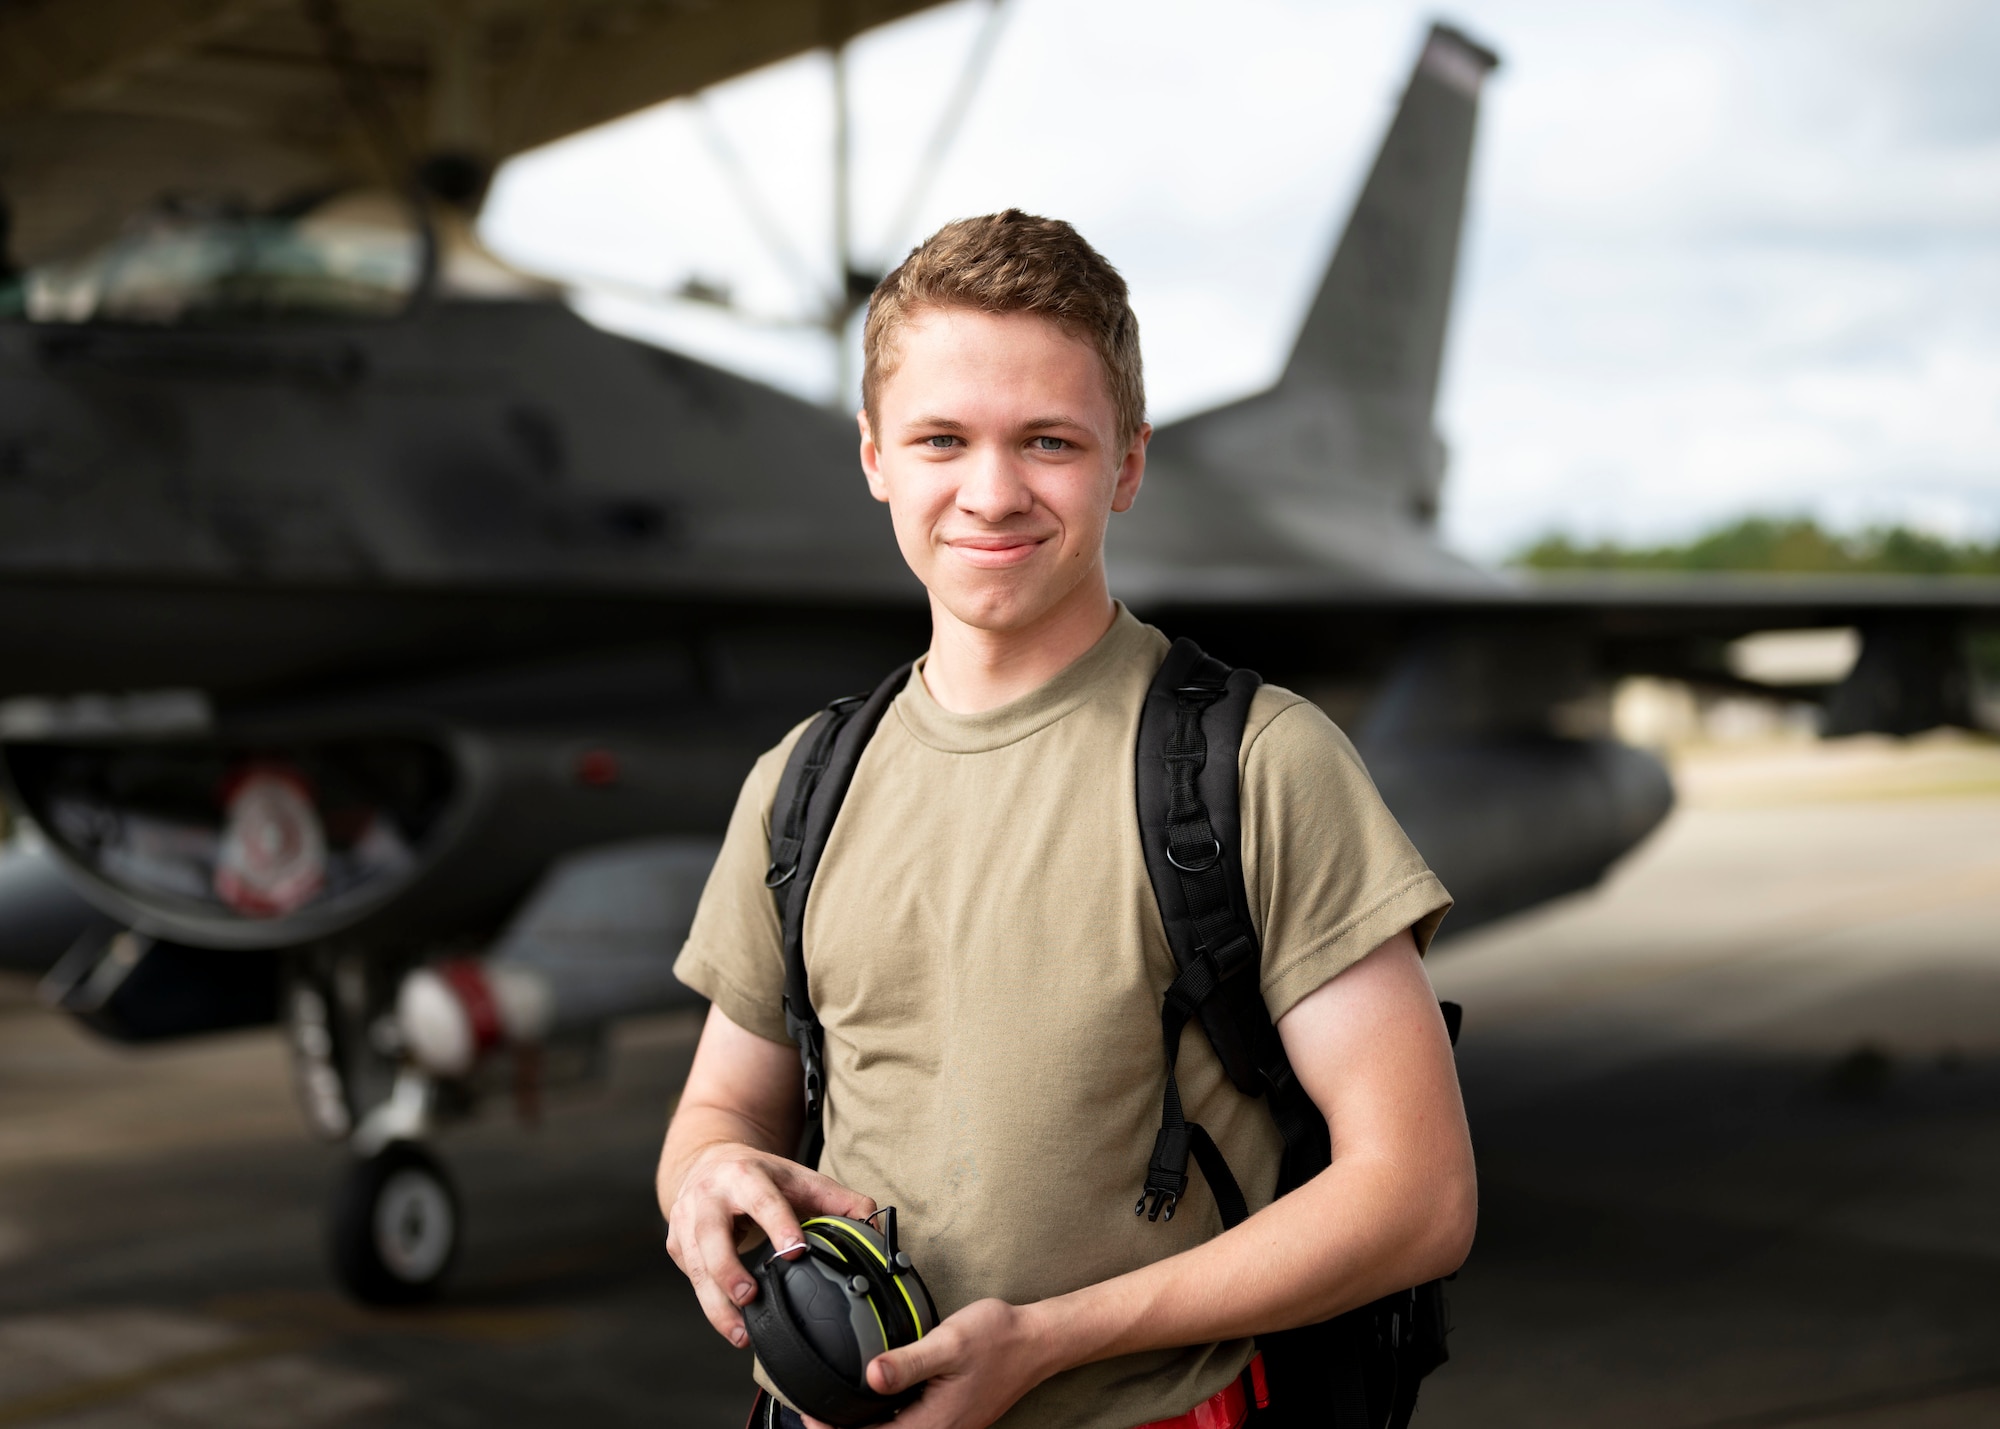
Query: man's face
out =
(999, 458)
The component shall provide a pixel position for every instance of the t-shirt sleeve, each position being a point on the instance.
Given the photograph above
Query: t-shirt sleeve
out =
(1330, 874)
(734, 955)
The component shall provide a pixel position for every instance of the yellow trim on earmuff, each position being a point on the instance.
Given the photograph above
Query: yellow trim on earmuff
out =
(895, 1278)
(880, 1328)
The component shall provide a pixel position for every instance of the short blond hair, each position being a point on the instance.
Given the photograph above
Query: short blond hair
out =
(1012, 262)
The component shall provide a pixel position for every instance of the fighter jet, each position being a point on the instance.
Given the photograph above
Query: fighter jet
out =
(381, 646)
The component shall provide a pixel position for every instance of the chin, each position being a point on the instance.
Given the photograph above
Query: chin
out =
(998, 610)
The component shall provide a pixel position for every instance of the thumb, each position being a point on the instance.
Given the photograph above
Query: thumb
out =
(896, 1370)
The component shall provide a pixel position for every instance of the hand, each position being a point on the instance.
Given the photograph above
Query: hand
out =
(974, 1367)
(727, 1185)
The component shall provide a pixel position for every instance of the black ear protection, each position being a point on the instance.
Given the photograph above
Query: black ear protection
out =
(818, 1320)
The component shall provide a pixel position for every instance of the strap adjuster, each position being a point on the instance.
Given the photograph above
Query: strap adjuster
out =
(1166, 1174)
(807, 1035)
(1232, 957)
(815, 1075)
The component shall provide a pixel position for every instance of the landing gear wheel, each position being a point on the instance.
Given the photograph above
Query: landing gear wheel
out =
(395, 1227)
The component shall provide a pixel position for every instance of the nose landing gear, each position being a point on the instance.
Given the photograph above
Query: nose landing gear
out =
(396, 1219)
(395, 1227)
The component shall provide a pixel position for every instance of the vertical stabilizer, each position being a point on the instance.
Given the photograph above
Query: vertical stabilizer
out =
(1338, 467)
(1377, 324)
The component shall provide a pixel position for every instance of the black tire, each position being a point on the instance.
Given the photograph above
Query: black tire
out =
(395, 1228)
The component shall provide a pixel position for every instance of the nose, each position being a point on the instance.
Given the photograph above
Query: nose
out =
(993, 488)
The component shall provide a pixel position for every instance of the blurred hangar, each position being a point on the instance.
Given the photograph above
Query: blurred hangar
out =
(381, 646)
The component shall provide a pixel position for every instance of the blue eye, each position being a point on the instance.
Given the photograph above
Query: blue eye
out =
(941, 442)
(1050, 444)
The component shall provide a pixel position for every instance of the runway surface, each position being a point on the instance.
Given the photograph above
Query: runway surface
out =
(1738, 1116)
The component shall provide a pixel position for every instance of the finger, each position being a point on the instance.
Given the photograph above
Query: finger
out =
(678, 1244)
(718, 1277)
(714, 1248)
(810, 1191)
(757, 1196)
(724, 1316)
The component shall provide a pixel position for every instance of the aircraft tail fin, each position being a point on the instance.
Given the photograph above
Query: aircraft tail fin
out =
(1377, 324)
(1338, 467)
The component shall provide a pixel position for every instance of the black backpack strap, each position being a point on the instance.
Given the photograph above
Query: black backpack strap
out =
(1190, 732)
(808, 800)
(1359, 1370)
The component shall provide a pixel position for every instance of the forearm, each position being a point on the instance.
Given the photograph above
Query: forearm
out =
(741, 1091)
(1395, 1208)
(727, 1163)
(1361, 1229)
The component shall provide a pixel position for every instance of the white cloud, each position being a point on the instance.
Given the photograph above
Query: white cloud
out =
(1721, 258)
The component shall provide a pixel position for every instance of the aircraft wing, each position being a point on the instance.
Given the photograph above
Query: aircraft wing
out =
(1502, 653)
(105, 104)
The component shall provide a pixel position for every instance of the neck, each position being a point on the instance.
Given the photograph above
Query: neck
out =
(971, 669)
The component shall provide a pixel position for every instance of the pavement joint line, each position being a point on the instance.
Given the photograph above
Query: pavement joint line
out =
(91, 1393)
(1861, 1403)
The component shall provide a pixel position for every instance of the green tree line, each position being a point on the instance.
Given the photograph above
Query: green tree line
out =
(1765, 543)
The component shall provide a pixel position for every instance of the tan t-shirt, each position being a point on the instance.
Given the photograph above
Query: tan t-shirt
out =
(987, 958)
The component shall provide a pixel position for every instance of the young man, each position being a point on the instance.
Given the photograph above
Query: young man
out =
(985, 949)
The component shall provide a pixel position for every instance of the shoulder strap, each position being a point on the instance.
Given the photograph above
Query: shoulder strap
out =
(808, 800)
(1190, 732)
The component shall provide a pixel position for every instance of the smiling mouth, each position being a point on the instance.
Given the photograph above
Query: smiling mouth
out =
(996, 552)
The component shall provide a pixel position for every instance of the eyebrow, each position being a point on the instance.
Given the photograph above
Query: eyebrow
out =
(1035, 424)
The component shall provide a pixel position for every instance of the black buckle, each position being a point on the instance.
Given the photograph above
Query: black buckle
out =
(815, 1077)
(1166, 1175)
(806, 1034)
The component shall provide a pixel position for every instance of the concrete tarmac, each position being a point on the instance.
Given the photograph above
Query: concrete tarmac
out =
(1738, 1116)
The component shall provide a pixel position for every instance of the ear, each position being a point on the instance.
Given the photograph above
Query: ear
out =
(871, 458)
(1132, 470)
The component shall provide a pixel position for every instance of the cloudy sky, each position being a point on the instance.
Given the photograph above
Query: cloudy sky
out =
(1721, 258)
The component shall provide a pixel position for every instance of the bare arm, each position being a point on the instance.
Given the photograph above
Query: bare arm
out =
(1396, 1208)
(727, 1163)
